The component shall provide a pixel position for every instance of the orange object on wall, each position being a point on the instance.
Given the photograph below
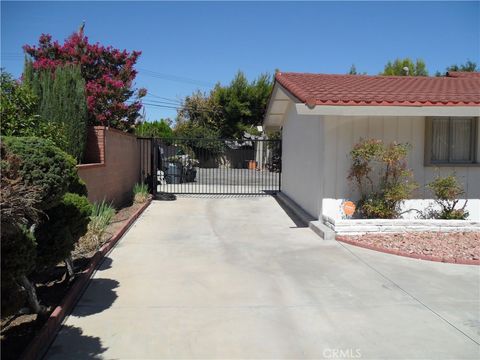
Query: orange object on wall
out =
(349, 208)
(252, 165)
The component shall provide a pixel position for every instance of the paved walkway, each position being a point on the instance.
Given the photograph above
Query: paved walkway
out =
(231, 278)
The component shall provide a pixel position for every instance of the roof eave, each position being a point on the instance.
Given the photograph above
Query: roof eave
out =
(278, 103)
(384, 110)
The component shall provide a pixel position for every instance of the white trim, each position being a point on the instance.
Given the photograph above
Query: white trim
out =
(279, 95)
(303, 109)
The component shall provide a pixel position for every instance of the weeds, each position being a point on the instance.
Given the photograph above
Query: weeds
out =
(140, 193)
(101, 217)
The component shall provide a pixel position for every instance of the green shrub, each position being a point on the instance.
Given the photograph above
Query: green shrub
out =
(45, 166)
(448, 191)
(18, 252)
(67, 222)
(18, 203)
(382, 178)
(19, 113)
(140, 193)
(18, 259)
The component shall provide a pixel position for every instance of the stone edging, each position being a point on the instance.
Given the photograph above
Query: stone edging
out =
(39, 344)
(405, 254)
(365, 226)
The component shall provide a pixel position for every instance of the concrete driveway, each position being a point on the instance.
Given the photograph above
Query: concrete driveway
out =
(231, 278)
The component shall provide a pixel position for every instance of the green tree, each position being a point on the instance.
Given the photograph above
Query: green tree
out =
(157, 129)
(397, 68)
(19, 112)
(469, 66)
(242, 103)
(353, 70)
(62, 102)
(201, 109)
(229, 109)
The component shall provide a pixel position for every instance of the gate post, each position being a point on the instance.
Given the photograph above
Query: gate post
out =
(154, 167)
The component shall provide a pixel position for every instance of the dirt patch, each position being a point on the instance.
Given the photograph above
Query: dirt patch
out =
(52, 286)
(448, 247)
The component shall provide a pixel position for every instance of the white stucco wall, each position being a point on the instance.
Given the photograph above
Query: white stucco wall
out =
(342, 132)
(302, 160)
(315, 157)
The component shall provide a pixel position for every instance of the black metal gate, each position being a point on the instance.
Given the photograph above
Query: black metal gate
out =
(210, 166)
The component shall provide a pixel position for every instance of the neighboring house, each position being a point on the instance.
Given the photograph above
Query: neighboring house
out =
(323, 116)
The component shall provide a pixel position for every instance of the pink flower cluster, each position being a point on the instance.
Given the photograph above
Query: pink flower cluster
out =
(108, 72)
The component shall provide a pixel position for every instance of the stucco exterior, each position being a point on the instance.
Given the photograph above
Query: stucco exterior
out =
(302, 160)
(316, 159)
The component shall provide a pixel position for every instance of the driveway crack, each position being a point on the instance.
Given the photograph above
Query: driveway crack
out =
(407, 293)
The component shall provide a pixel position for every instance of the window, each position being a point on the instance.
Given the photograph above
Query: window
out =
(451, 140)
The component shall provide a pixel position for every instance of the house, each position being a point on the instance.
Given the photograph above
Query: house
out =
(322, 116)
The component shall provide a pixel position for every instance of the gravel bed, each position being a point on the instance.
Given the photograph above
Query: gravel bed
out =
(449, 247)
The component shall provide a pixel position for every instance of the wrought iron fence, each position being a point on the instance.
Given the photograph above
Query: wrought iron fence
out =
(210, 166)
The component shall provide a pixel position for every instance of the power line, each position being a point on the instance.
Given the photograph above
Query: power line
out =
(164, 98)
(176, 78)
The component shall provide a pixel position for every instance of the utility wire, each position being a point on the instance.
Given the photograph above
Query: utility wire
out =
(164, 98)
(176, 78)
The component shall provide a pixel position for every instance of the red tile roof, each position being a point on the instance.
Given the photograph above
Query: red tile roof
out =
(456, 89)
(463, 74)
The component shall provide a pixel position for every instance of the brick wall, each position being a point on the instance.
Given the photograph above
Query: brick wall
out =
(95, 148)
(114, 167)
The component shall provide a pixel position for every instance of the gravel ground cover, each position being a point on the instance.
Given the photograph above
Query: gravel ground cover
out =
(449, 247)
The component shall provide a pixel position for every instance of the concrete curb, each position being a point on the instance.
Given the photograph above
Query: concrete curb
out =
(404, 254)
(316, 226)
(294, 208)
(36, 348)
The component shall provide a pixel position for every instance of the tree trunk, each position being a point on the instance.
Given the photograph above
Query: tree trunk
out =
(31, 295)
(70, 268)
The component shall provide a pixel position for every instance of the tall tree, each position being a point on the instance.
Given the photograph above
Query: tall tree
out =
(230, 109)
(108, 72)
(399, 66)
(62, 102)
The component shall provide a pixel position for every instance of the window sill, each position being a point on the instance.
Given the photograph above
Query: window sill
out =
(452, 165)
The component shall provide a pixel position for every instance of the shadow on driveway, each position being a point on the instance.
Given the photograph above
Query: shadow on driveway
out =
(99, 296)
(86, 347)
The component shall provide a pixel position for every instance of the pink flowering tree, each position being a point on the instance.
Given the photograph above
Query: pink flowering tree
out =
(109, 74)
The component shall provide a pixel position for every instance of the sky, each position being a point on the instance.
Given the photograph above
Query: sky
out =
(193, 45)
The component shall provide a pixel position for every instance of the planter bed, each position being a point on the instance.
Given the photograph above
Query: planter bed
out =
(452, 247)
(26, 335)
(364, 226)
